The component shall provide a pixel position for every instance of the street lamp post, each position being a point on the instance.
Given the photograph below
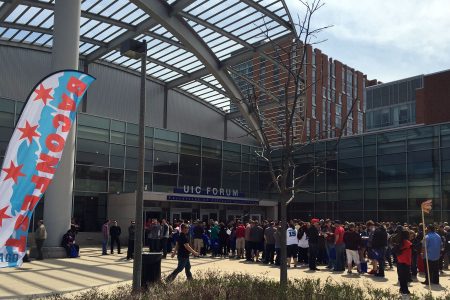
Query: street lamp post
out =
(135, 49)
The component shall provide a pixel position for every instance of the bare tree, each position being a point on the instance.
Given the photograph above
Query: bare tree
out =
(278, 101)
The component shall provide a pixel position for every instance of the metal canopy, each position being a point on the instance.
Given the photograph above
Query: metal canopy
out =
(225, 33)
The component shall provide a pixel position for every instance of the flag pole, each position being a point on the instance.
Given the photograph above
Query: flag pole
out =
(426, 252)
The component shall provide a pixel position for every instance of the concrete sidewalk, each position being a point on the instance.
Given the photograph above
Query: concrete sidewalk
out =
(94, 270)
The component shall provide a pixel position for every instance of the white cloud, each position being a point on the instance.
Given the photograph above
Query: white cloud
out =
(386, 39)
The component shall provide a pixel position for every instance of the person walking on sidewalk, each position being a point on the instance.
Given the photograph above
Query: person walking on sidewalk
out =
(40, 237)
(131, 235)
(182, 248)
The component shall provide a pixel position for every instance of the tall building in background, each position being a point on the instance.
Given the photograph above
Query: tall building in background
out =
(422, 99)
(333, 92)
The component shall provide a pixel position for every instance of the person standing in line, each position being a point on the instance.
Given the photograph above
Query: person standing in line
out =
(434, 243)
(154, 235)
(277, 238)
(379, 244)
(313, 241)
(240, 239)
(339, 246)
(404, 262)
(40, 236)
(198, 237)
(131, 236)
(115, 232)
(352, 241)
(183, 249)
(248, 243)
(258, 237)
(164, 236)
(105, 237)
(291, 243)
(303, 244)
(214, 234)
(270, 243)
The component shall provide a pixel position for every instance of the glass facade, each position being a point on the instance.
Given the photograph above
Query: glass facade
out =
(107, 162)
(379, 176)
(392, 104)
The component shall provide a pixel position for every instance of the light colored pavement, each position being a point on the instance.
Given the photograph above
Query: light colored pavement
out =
(94, 270)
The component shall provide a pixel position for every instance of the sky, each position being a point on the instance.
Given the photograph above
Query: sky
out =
(385, 39)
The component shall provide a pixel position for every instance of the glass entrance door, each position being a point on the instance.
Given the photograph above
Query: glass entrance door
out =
(206, 215)
(256, 217)
(181, 214)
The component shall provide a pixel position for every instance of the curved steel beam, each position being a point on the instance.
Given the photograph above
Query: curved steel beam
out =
(159, 10)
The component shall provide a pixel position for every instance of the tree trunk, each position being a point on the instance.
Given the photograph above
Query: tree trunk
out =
(283, 266)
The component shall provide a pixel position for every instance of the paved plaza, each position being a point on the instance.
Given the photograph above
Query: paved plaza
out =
(94, 270)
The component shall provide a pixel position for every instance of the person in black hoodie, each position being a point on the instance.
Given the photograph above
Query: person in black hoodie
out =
(114, 233)
(313, 239)
(379, 243)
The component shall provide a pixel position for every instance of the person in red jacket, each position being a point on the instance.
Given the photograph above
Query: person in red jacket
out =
(404, 262)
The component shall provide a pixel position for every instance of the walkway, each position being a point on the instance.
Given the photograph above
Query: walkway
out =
(94, 270)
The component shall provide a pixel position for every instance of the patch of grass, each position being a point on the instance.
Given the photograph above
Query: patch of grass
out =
(217, 286)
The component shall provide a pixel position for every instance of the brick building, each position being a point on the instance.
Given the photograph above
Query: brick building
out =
(422, 99)
(333, 89)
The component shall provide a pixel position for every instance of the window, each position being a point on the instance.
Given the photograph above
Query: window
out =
(92, 179)
(189, 170)
(211, 148)
(165, 140)
(165, 162)
(211, 172)
(92, 153)
(116, 177)
(190, 144)
(164, 182)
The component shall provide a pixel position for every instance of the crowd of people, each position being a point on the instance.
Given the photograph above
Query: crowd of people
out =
(356, 247)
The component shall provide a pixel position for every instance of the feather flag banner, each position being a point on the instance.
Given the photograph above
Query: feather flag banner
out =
(33, 155)
(426, 206)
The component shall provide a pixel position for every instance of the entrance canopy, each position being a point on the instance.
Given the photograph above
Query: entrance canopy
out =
(191, 43)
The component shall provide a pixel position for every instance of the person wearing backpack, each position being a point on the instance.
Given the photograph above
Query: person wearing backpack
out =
(404, 256)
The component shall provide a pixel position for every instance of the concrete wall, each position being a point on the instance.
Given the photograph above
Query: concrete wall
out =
(115, 94)
(122, 208)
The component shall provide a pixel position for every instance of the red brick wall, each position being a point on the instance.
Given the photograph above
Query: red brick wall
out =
(434, 99)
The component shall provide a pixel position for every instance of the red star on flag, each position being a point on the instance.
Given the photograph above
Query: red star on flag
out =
(3, 215)
(28, 132)
(43, 94)
(13, 172)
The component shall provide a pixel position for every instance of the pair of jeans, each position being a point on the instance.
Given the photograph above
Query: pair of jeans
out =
(278, 256)
(39, 244)
(434, 271)
(104, 245)
(403, 277)
(340, 257)
(164, 246)
(183, 263)
(302, 255)
(269, 253)
(380, 254)
(130, 250)
(331, 260)
(115, 240)
(313, 250)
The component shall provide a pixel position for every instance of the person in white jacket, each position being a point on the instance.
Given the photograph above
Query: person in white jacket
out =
(303, 244)
(291, 243)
